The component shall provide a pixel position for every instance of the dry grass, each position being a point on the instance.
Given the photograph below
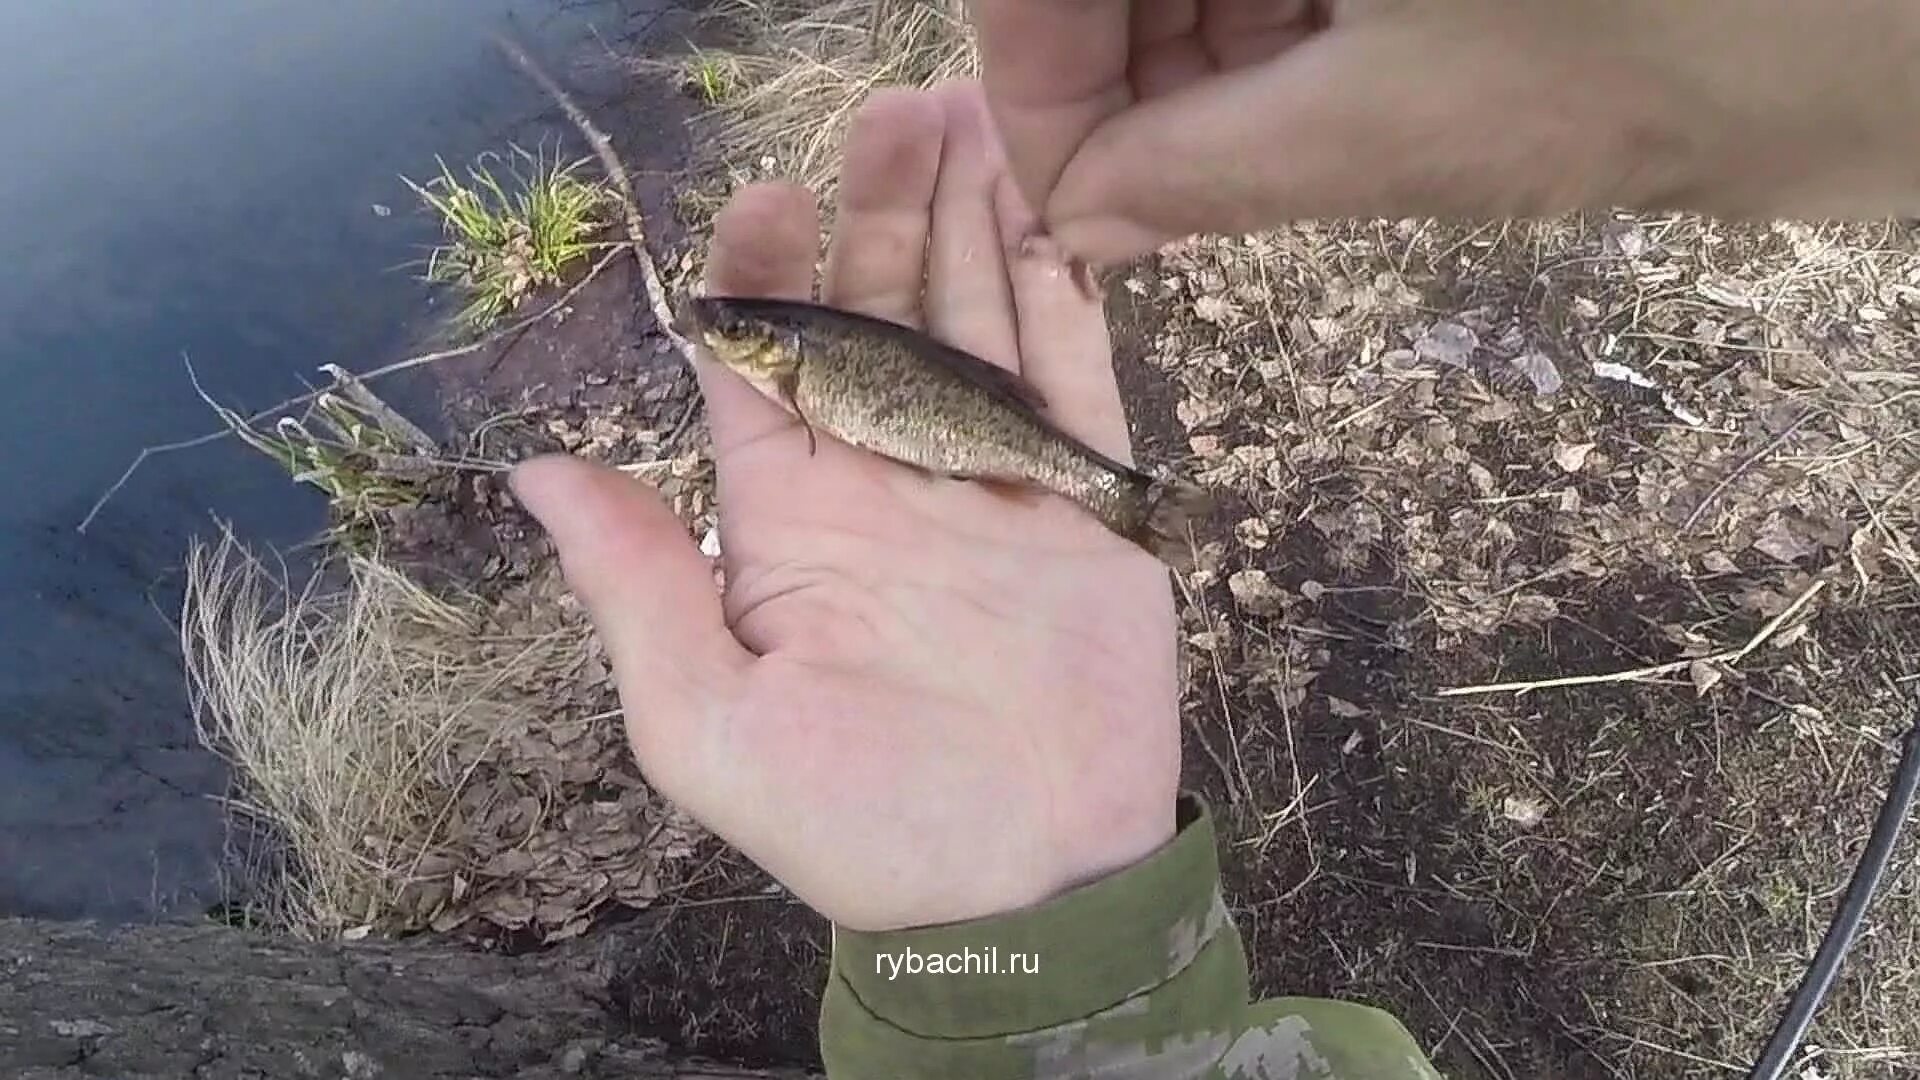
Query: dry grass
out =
(783, 90)
(336, 709)
(420, 760)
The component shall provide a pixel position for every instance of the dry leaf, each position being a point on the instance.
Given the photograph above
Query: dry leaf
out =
(1781, 541)
(1447, 343)
(1540, 371)
(1526, 811)
(1572, 457)
(1255, 592)
(1344, 709)
(1252, 533)
(1705, 675)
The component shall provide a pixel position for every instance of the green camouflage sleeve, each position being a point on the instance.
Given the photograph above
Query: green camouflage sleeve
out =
(1139, 976)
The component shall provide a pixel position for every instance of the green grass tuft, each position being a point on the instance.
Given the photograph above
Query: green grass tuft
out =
(711, 76)
(506, 237)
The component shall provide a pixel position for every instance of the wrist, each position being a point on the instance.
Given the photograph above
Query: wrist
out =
(1065, 958)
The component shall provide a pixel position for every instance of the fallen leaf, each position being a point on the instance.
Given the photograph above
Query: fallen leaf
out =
(1252, 533)
(1572, 456)
(1216, 310)
(1540, 371)
(1255, 592)
(1525, 811)
(1717, 562)
(1447, 343)
(1705, 675)
(1780, 541)
(1344, 709)
(1624, 236)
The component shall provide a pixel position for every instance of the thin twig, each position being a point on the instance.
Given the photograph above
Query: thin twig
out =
(1729, 657)
(1235, 791)
(364, 376)
(1741, 470)
(623, 187)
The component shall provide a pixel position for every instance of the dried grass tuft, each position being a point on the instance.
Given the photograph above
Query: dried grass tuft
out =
(796, 72)
(421, 760)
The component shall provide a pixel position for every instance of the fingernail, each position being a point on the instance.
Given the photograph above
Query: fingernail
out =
(533, 483)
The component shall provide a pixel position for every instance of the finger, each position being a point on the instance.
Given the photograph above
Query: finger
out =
(650, 595)
(1167, 53)
(1241, 32)
(1406, 116)
(1053, 71)
(877, 260)
(969, 303)
(765, 243)
(1065, 351)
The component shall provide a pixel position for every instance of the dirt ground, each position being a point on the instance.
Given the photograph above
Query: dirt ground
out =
(1614, 880)
(1446, 456)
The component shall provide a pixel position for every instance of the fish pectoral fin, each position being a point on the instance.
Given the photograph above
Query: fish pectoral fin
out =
(789, 386)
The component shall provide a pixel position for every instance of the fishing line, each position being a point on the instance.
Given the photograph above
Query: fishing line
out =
(1846, 918)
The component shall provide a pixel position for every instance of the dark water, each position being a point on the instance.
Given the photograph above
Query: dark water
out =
(192, 178)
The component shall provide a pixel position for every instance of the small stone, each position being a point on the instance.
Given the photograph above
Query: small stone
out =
(80, 1029)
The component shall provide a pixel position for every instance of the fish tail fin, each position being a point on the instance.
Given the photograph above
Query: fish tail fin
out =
(1165, 507)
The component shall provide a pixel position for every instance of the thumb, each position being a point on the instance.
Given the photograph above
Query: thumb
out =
(651, 596)
(1406, 115)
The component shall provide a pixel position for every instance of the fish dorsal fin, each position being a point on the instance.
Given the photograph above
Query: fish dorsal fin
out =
(989, 376)
(1006, 385)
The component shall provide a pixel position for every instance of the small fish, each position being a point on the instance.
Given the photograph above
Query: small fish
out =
(899, 393)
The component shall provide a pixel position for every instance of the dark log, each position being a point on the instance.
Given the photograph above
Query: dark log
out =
(203, 1000)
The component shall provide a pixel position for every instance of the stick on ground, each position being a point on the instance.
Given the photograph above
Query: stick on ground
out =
(1729, 657)
(364, 376)
(617, 174)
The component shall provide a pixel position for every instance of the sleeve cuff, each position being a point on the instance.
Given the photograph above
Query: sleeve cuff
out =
(1062, 960)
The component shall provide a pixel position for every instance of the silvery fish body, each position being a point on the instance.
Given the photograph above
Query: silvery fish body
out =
(897, 392)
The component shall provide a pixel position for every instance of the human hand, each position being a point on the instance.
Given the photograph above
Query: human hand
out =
(920, 700)
(1133, 122)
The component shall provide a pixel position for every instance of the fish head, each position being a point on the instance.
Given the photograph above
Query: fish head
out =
(751, 343)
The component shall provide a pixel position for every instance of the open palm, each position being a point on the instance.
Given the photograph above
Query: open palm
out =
(919, 700)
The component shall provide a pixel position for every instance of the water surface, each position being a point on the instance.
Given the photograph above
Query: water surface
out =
(193, 179)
